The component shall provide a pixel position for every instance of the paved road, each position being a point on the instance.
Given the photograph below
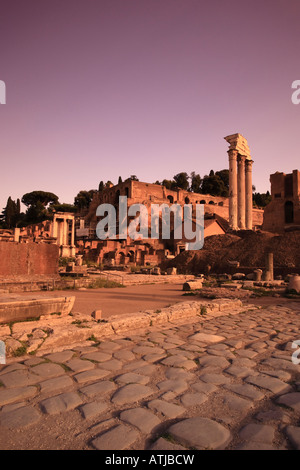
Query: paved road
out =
(224, 382)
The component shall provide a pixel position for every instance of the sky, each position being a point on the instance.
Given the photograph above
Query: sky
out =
(97, 89)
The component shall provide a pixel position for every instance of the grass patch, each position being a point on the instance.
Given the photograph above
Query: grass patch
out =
(93, 338)
(203, 310)
(103, 283)
(21, 351)
(190, 294)
(259, 291)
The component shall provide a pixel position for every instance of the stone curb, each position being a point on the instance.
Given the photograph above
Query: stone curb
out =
(62, 335)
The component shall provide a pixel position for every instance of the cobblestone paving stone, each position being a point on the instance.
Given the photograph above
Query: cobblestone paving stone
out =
(225, 382)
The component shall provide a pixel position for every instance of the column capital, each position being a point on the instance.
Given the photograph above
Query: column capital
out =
(242, 158)
(233, 154)
(249, 164)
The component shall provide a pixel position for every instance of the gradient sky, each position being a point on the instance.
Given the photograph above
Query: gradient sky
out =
(98, 89)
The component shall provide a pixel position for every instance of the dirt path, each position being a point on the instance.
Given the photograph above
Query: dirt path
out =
(117, 301)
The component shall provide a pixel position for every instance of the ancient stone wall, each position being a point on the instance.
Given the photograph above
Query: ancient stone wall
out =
(18, 259)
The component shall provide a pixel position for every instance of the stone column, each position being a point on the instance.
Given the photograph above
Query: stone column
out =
(249, 200)
(73, 232)
(232, 154)
(269, 271)
(241, 192)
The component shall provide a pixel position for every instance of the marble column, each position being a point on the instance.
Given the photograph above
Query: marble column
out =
(232, 154)
(249, 200)
(241, 192)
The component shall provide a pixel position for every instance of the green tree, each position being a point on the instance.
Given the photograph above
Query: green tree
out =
(182, 180)
(261, 199)
(84, 198)
(120, 180)
(11, 214)
(196, 182)
(101, 186)
(42, 197)
(214, 184)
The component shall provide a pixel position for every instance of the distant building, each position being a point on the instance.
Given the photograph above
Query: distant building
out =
(283, 212)
(147, 251)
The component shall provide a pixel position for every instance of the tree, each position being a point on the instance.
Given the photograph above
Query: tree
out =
(41, 197)
(182, 180)
(11, 214)
(196, 182)
(169, 184)
(134, 178)
(101, 186)
(215, 184)
(120, 180)
(84, 198)
(64, 207)
(261, 199)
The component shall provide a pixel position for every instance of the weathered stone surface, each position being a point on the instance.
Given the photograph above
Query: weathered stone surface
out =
(293, 435)
(124, 355)
(275, 386)
(60, 403)
(193, 399)
(132, 378)
(20, 418)
(109, 346)
(56, 384)
(163, 444)
(213, 361)
(131, 393)
(143, 419)
(179, 361)
(178, 374)
(237, 403)
(206, 338)
(201, 433)
(292, 400)
(177, 386)
(79, 365)
(238, 371)
(91, 375)
(60, 357)
(215, 379)
(48, 370)
(97, 356)
(99, 388)
(91, 410)
(112, 365)
(203, 387)
(261, 433)
(169, 410)
(19, 378)
(119, 438)
(246, 390)
(16, 394)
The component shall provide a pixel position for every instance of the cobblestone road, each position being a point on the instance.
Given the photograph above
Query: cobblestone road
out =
(226, 383)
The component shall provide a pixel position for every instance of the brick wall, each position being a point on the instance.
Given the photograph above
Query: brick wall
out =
(28, 259)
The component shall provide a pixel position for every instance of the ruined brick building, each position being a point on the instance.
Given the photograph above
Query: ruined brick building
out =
(283, 212)
(148, 251)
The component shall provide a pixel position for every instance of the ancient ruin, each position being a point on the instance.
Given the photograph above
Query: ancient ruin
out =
(240, 183)
(283, 212)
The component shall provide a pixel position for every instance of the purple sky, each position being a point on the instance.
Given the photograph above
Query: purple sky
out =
(102, 88)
